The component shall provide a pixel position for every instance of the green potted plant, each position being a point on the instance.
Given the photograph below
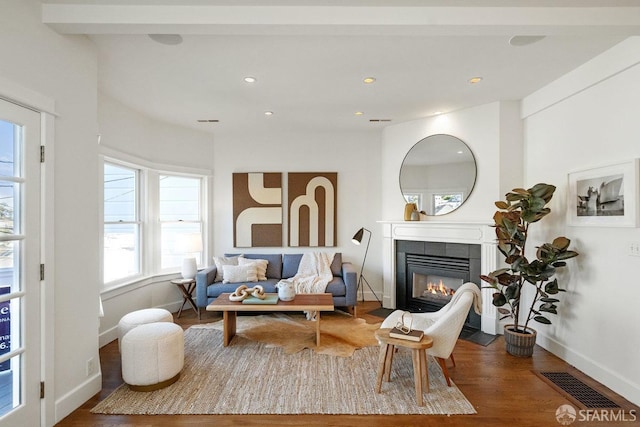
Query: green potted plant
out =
(512, 221)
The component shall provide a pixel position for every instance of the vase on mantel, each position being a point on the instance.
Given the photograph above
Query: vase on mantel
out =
(409, 209)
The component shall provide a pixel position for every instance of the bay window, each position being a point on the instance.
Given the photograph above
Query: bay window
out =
(152, 221)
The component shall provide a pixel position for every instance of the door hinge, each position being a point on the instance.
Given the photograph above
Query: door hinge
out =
(42, 154)
(41, 271)
(41, 389)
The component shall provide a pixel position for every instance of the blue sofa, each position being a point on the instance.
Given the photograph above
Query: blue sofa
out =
(343, 287)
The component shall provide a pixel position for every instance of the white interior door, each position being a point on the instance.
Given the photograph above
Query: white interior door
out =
(20, 329)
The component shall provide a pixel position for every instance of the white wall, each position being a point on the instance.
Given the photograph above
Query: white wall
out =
(64, 68)
(354, 156)
(131, 136)
(590, 118)
(490, 131)
(131, 132)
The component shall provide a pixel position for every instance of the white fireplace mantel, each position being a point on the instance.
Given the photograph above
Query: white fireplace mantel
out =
(441, 231)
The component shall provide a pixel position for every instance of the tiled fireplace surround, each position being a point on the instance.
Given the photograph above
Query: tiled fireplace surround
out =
(439, 231)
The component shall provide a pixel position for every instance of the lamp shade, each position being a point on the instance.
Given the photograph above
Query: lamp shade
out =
(357, 238)
(189, 243)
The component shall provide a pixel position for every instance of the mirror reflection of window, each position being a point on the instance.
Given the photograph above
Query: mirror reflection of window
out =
(446, 202)
(440, 172)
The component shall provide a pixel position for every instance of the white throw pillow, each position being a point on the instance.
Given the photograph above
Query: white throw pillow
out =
(221, 261)
(239, 273)
(261, 266)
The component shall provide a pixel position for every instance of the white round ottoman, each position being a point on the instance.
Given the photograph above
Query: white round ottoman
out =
(141, 317)
(152, 356)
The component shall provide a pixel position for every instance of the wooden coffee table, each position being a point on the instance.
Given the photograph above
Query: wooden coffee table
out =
(302, 302)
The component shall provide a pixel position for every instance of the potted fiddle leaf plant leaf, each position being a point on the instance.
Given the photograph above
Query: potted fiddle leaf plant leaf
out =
(512, 221)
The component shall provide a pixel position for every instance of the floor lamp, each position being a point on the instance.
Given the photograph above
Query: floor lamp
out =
(357, 239)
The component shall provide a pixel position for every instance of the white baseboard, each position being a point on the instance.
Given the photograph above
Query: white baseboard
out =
(603, 374)
(76, 397)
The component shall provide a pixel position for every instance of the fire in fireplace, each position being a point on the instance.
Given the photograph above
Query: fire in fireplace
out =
(433, 287)
(428, 275)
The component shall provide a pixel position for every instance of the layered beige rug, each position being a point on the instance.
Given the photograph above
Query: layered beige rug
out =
(253, 377)
(340, 333)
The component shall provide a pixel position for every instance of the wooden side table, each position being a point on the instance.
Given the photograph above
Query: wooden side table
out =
(418, 354)
(186, 287)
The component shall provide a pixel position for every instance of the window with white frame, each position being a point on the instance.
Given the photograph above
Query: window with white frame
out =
(180, 215)
(121, 245)
(153, 220)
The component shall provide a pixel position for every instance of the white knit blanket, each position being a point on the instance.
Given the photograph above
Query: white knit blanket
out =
(477, 297)
(314, 273)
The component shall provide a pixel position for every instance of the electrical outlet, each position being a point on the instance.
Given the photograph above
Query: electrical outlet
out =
(634, 249)
(91, 367)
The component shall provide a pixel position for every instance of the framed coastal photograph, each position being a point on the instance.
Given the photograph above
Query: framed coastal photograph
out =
(605, 196)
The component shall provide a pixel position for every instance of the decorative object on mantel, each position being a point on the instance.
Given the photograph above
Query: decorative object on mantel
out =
(409, 209)
(512, 221)
(242, 292)
(415, 216)
(357, 239)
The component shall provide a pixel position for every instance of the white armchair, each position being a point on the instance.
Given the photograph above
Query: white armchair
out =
(444, 326)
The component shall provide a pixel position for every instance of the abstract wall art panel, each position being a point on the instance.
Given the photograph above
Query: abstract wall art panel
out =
(312, 210)
(257, 210)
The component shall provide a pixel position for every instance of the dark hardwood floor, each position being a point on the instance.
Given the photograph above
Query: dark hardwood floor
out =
(502, 388)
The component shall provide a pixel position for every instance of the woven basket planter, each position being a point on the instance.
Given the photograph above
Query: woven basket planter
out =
(519, 344)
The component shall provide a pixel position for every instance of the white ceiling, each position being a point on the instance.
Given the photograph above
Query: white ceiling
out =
(310, 58)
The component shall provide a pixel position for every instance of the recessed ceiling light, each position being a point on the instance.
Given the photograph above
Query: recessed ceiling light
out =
(250, 79)
(208, 120)
(459, 152)
(268, 113)
(524, 40)
(169, 39)
(358, 113)
(474, 80)
(369, 80)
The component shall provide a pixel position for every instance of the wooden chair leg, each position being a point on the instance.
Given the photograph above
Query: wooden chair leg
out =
(453, 360)
(443, 366)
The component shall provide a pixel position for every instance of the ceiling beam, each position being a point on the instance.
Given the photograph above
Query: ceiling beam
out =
(340, 20)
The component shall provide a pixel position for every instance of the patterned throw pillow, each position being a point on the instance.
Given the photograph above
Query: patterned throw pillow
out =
(239, 273)
(221, 261)
(261, 266)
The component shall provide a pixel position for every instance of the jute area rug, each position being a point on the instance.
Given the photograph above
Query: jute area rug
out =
(254, 377)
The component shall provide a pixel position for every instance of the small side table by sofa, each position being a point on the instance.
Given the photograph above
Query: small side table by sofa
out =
(186, 287)
(419, 356)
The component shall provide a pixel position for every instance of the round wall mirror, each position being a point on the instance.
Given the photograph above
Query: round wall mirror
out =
(438, 174)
